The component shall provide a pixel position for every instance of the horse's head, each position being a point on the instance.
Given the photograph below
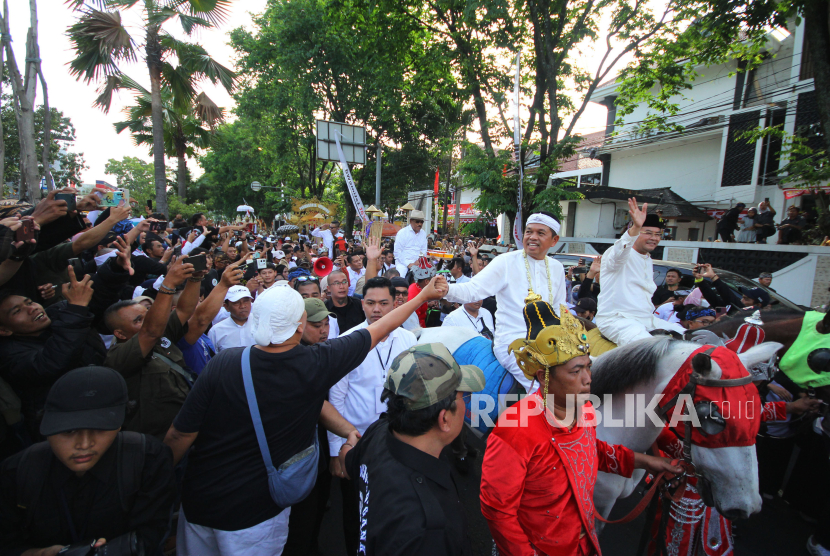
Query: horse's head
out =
(723, 447)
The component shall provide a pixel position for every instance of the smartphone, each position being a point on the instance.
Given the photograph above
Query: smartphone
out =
(158, 226)
(720, 311)
(150, 204)
(766, 200)
(70, 199)
(78, 267)
(177, 250)
(580, 269)
(199, 262)
(26, 231)
(112, 198)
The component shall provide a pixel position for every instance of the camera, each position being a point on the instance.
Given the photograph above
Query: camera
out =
(158, 226)
(125, 545)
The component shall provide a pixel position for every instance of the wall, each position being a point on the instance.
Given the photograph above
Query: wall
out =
(689, 167)
(594, 219)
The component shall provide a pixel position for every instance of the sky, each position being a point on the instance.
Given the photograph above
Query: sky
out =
(95, 136)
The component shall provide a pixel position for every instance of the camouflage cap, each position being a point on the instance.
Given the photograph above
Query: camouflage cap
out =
(428, 373)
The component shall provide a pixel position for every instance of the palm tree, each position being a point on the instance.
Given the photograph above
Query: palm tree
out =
(101, 42)
(183, 131)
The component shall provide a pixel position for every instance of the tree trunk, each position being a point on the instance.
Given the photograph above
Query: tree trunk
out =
(47, 132)
(181, 177)
(2, 141)
(24, 89)
(447, 195)
(153, 53)
(817, 31)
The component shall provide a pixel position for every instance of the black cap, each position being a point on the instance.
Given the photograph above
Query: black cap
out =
(587, 304)
(653, 221)
(86, 398)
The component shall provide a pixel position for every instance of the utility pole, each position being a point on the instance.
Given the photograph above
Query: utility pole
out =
(457, 221)
(377, 175)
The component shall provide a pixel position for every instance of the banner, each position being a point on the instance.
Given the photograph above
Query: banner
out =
(358, 204)
(517, 153)
(435, 203)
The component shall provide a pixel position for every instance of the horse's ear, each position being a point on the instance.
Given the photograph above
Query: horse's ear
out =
(702, 364)
(759, 354)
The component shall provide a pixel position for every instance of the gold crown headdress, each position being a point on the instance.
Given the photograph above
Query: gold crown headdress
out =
(550, 340)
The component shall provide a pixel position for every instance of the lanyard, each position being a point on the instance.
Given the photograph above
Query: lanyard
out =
(473, 322)
(484, 330)
(388, 355)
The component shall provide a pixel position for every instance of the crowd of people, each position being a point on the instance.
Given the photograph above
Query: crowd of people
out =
(754, 225)
(199, 385)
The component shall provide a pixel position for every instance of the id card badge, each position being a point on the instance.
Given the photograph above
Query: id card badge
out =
(380, 406)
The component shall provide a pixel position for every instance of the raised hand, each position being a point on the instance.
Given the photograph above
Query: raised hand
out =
(75, 292)
(119, 213)
(123, 256)
(596, 265)
(232, 275)
(638, 216)
(472, 248)
(372, 248)
(436, 289)
(178, 272)
(46, 291)
(49, 210)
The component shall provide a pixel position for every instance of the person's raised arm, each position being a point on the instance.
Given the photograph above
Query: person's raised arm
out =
(226, 242)
(372, 256)
(224, 229)
(189, 298)
(143, 226)
(318, 232)
(436, 289)
(93, 236)
(155, 321)
(475, 264)
(617, 255)
(209, 308)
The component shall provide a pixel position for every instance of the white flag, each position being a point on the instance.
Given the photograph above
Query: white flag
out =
(358, 204)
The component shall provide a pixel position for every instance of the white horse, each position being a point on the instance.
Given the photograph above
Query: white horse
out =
(646, 367)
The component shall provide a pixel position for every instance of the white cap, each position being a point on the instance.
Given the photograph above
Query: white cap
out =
(235, 293)
(287, 238)
(276, 315)
(279, 255)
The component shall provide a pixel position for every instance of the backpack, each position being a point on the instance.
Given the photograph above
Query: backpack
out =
(130, 448)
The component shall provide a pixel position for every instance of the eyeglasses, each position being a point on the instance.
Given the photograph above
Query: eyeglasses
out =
(652, 234)
(417, 221)
(307, 279)
(399, 293)
(340, 283)
(708, 320)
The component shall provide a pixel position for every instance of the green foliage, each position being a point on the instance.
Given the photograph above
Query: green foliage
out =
(69, 165)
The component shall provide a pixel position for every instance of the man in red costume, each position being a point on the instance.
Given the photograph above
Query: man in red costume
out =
(541, 463)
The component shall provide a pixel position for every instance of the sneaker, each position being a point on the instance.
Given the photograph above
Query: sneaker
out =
(816, 549)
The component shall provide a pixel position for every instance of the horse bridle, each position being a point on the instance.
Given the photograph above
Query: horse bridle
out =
(696, 380)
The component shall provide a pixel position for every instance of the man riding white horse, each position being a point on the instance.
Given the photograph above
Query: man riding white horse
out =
(515, 279)
(626, 313)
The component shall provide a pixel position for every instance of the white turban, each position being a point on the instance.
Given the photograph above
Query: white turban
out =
(276, 314)
(549, 221)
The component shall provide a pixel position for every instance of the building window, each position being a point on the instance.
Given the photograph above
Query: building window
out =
(739, 158)
(693, 234)
(806, 70)
(771, 148)
(590, 179)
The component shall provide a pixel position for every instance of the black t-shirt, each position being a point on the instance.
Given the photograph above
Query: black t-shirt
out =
(348, 316)
(404, 490)
(661, 295)
(226, 485)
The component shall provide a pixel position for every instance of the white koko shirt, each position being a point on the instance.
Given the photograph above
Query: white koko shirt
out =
(408, 247)
(461, 317)
(357, 395)
(627, 282)
(506, 278)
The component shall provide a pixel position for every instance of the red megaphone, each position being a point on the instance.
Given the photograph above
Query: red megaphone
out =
(323, 266)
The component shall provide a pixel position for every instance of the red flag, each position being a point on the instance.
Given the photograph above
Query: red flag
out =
(436, 183)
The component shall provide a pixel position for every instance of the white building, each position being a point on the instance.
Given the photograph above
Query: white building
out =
(707, 164)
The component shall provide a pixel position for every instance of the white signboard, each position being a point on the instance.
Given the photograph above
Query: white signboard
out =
(352, 139)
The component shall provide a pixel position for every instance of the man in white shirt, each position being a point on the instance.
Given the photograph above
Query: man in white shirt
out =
(668, 311)
(410, 243)
(625, 311)
(232, 332)
(327, 233)
(357, 396)
(472, 315)
(510, 277)
(456, 268)
(354, 266)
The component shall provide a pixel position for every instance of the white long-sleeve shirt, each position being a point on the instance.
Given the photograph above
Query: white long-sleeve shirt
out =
(354, 277)
(408, 247)
(461, 317)
(627, 282)
(328, 239)
(357, 395)
(227, 334)
(506, 278)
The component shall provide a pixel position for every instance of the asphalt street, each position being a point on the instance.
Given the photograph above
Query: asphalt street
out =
(776, 531)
